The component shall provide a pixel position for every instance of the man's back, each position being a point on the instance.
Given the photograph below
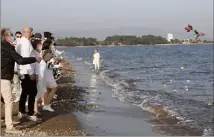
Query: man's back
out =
(24, 48)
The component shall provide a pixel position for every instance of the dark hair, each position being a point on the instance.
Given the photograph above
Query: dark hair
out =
(18, 32)
(38, 35)
(35, 42)
(48, 35)
(46, 44)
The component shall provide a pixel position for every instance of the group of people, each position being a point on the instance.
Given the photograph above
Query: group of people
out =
(27, 61)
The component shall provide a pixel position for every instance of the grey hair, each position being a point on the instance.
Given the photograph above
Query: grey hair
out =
(4, 33)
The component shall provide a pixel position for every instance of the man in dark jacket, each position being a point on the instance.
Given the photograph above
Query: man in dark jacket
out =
(8, 58)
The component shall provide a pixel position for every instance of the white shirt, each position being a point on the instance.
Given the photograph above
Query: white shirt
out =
(16, 43)
(24, 49)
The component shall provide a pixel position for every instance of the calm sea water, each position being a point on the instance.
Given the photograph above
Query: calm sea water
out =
(149, 76)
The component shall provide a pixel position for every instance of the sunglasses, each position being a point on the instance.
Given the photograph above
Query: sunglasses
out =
(18, 36)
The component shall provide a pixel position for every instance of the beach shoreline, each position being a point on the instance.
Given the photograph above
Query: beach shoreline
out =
(156, 122)
(62, 122)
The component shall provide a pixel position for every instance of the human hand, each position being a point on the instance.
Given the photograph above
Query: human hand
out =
(38, 59)
(37, 78)
(61, 65)
(33, 77)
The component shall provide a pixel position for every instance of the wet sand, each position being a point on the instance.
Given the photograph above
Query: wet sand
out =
(108, 116)
(62, 122)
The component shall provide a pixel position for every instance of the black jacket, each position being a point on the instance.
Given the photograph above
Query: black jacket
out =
(8, 58)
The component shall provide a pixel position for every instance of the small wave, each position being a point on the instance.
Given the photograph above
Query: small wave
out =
(79, 59)
(157, 102)
(208, 132)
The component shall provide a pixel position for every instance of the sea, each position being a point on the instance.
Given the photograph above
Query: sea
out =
(177, 78)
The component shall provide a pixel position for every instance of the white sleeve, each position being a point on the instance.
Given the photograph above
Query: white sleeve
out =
(37, 68)
(32, 66)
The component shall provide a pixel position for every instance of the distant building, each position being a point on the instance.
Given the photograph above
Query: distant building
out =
(170, 37)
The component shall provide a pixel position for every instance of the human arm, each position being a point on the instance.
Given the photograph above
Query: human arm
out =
(20, 60)
(52, 65)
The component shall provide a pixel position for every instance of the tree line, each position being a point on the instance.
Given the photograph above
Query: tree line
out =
(117, 40)
(112, 40)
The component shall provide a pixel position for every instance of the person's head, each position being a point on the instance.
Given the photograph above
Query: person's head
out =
(27, 32)
(18, 34)
(37, 45)
(47, 44)
(38, 36)
(6, 35)
(95, 51)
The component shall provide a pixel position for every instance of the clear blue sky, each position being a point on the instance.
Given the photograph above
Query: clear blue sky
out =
(65, 15)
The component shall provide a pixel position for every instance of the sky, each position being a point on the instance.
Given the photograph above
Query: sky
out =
(103, 17)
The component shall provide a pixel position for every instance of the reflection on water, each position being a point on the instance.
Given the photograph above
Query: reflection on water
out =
(93, 96)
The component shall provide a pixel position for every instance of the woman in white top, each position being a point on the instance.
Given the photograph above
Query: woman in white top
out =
(96, 60)
(50, 82)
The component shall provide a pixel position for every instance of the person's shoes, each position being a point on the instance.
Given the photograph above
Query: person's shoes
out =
(16, 122)
(16, 100)
(2, 120)
(34, 118)
(48, 108)
(13, 131)
(20, 115)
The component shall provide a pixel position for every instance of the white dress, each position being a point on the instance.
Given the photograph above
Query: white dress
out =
(49, 78)
(96, 61)
(41, 86)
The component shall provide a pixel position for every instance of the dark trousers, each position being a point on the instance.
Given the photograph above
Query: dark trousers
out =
(29, 90)
(2, 100)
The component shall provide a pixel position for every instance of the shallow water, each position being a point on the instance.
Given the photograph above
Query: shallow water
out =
(149, 76)
(110, 117)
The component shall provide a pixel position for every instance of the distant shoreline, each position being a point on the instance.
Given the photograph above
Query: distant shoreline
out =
(192, 44)
(186, 44)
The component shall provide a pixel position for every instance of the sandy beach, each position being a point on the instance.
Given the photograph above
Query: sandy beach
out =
(61, 122)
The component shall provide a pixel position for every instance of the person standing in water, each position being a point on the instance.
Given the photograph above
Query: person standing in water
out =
(96, 60)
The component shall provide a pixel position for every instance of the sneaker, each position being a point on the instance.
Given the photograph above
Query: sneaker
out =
(48, 108)
(20, 115)
(16, 122)
(13, 131)
(34, 118)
